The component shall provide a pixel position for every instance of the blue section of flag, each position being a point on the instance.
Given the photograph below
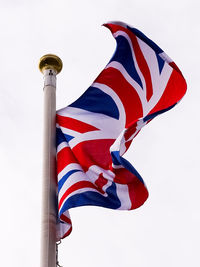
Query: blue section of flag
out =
(118, 160)
(90, 198)
(59, 137)
(95, 100)
(123, 55)
(115, 157)
(65, 177)
(153, 115)
(68, 137)
(161, 62)
(144, 38)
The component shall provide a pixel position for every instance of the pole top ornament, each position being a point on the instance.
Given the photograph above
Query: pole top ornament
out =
(50, 61)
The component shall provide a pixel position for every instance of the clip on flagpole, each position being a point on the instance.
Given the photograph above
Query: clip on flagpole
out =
(50, 65)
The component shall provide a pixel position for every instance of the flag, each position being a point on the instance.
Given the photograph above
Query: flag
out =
(139, 83)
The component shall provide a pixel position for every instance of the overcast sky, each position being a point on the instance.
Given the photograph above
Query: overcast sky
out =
(165, 230)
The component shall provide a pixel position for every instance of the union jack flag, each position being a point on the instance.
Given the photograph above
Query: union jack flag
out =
(139, 83)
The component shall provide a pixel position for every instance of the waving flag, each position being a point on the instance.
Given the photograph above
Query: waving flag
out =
(139, 83)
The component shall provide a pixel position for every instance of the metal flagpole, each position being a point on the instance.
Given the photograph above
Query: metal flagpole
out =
(50, 66)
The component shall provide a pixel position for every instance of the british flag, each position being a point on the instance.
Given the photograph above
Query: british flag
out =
(139, 83)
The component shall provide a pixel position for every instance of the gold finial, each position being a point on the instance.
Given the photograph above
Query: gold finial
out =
(50, 61)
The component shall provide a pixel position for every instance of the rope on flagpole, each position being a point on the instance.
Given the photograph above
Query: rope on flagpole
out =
(57, 261)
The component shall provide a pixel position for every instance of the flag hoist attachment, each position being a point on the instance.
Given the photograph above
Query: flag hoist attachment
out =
(50, 65)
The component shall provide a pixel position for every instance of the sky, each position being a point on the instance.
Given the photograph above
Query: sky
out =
(165, 230)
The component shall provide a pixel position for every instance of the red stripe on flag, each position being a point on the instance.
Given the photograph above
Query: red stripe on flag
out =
(138, 193)
(65, 157)
(94, 152)
(67, 233)
(137, 190)
(74, 124)
(74, 187)
(130, 131)
(174, 91)
(65, 219)
(139, 57)
(129, 97)
(142, 65)
(174, 66)
(127, 144)
(100, 182)
(68, 221)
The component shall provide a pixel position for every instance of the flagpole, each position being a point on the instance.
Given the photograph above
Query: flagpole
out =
(50, 65)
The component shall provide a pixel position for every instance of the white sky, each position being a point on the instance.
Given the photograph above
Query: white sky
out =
(165, 231)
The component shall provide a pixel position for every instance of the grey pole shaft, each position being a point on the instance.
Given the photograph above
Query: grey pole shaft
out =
(48, 232)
